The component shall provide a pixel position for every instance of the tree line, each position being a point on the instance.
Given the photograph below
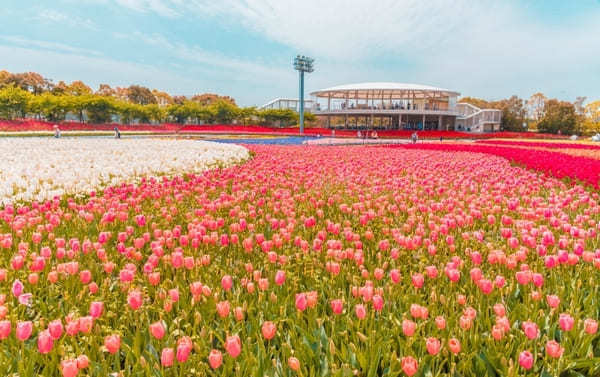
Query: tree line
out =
(30, 95)
(543, 114)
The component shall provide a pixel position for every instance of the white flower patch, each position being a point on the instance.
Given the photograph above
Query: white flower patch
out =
(41, 168)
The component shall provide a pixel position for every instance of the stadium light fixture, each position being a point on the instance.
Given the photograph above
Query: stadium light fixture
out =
(302, 64)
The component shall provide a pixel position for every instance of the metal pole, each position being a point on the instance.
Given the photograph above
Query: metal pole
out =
(301, 102)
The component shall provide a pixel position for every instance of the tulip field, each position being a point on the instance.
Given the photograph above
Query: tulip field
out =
(419, 260)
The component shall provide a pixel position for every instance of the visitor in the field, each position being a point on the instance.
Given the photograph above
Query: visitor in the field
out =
(117, 133)
(56, 131)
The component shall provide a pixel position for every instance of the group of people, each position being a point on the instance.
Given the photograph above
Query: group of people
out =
(367, 135)
(57, 132)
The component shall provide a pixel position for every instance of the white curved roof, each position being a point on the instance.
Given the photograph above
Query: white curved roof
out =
(381, 88)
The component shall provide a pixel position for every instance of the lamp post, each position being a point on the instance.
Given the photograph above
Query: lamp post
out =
(302, 64)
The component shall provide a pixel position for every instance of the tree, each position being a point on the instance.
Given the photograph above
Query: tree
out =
(513, 113)
(477, 102)
(78, 88)
(105, 90)
(140, 95)
(13, 102)
(246, 114)
(100, 109)
(224, 111)
(558, 116)
(210, 98)
(591, 123)
(279, 117)
(53, 108)
(536, 106)
(162, 98)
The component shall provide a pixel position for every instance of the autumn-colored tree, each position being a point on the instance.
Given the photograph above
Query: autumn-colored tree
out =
(210, 98)
(591, 123)
(140, 95)
(536, 106)
(78, 88)
(105, 90)
(477, 102)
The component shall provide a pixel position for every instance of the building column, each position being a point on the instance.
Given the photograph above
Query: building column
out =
(329, 103)
(346, 118)
(328, 121)
(440, 123)
(371, 125)
(400, 121)
(423, 122)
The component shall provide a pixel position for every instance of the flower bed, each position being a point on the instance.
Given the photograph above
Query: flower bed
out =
(550, 145)
(41, 168)
(560, 165)
(308, 261)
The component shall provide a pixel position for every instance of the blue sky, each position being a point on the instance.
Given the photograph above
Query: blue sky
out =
(244, 48)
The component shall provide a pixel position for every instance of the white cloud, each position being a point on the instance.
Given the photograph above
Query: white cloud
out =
(488, 47)
(53, 16)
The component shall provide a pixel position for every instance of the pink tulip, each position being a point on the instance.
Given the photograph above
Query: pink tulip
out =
(361, 311)
(433, 346)
(24, 330)
(227, 282)
(280, 277)
(337, 306)
(45, 342)
(96, 309)
(223, 309)
(112, 343)
(526, 360)
(294, 363)
(553, 349)
(166, 357)
(157, 330)
(268, 330)
(215, 359)
(590, 326)
(408, 327)
(82, 362)
(553, 301)
(55, 328)
(85, 324)
(68, 368)
(530, 329)
(5, 329)
(566, 322)
(395, 276)
(440, 322)
(233, 345)
(409, 365)
(301, 301)
(17, 288)
(135, 299)
(454, 345)
(184, 348)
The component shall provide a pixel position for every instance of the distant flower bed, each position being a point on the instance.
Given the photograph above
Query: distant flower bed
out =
(559, 165)
(42, 168)
(542, 144)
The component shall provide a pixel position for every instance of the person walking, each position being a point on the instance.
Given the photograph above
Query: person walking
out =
(117, 133)
(56, 131)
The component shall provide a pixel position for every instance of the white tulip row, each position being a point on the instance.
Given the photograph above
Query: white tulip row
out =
(42, 168)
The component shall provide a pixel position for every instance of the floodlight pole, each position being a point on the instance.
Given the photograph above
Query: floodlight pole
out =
(302, 64)
(301, 97)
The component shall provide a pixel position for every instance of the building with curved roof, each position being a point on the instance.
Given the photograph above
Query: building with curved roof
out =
(391, 105)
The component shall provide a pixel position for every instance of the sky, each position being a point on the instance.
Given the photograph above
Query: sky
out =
(244, 48)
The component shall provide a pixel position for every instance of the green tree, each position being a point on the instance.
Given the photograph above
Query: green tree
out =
(100, 109)
(246, 114)
(559, 116)
(224, 111)
(14, 102)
